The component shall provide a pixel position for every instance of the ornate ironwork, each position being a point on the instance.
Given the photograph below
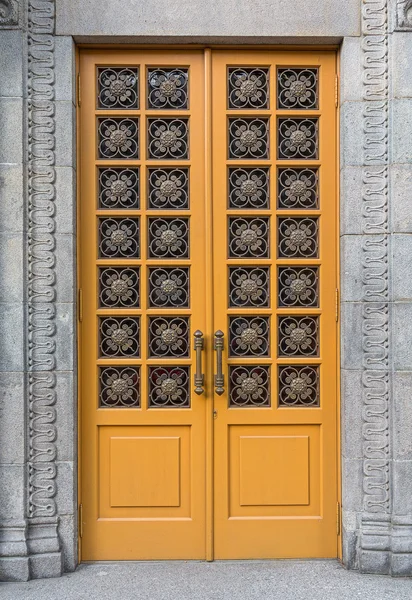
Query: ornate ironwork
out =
(298, 238)
(249, 336)
(299, 386)
(249, 237)
(298, 286)
(169, 336)
(168, 238)
(298, 138)
(169, 387)
(119, 238)
(249, 188)
(168, 138)
(119, 287)
(119, 188)
(248, 87)
(168, 188)
(168, 88)
(249, 286)
(298, 188)
(118, 87)
(297, 88)
(119, 387)
(248, 138)
(118, 138)
(249, 386)
(120, 337)
(169, 287)
(298, 336)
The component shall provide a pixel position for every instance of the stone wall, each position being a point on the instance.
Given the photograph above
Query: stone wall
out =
(38, 420)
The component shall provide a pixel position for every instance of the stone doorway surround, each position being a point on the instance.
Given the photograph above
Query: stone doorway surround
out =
(38, 365)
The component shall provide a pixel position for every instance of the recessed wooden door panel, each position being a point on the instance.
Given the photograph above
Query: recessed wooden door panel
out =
(208, 204)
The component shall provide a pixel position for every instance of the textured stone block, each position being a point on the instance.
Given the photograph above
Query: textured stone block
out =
(401, 131)
(14, 568)
(12, 492)
(68, 537)
(11, 267)
(195, 18)
(44, 566)
(401, 186)
(350, 127)
(12, 418)
(351, 200)
(65, 266)
(64, 60)
(11, 63)
(351, 268)
(402, 267)
(66, 488)
(351, 326)
(351, 67)
(66, 417)
(351, 413)
(352, 491)
(402, 336)
(65, 134)
(65, 337)
(402, 415)
(65, 200)
(12, 338)
(401, 65)
(11, 193)
(11, 126)
(402, 487)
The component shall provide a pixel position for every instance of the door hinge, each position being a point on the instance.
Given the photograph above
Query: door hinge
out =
(337, 305)
(336, 90)
(79, 96)
(80, 305)
(338, 517)
(81, 520)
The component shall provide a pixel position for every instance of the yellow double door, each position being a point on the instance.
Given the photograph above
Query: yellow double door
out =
(207, 275)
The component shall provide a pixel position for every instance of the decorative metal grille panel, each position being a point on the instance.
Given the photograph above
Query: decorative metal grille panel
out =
(169, 387)
(169, 287)
(168, 237)
(249, 237)
(298, 237)
(298, 336)
(169, 337)
(298, 189)
(298, 138)
(249, 336)
(118, 138)
(298, 286)
(119, 287)
(299, 386)
(120, 337)
(119, 238)
(249, 286)
(249, 188)
(248, 87)
(298, 88)
(249, 386)
(118, 87)
(167, 88)
(119, 387)
(168, 138)
(248, 138)
(119, 188)
(168, 188)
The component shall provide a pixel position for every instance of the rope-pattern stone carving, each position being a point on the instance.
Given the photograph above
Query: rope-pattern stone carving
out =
(41, 260)
(376, 391)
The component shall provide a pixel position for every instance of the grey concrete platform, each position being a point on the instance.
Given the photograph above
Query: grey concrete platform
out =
(233, 580)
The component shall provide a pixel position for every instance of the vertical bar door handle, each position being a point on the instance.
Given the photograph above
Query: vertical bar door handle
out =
(219, 377)
(199, 377)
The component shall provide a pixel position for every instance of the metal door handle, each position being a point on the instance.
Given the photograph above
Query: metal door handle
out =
(219, 377)
(199, 377)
